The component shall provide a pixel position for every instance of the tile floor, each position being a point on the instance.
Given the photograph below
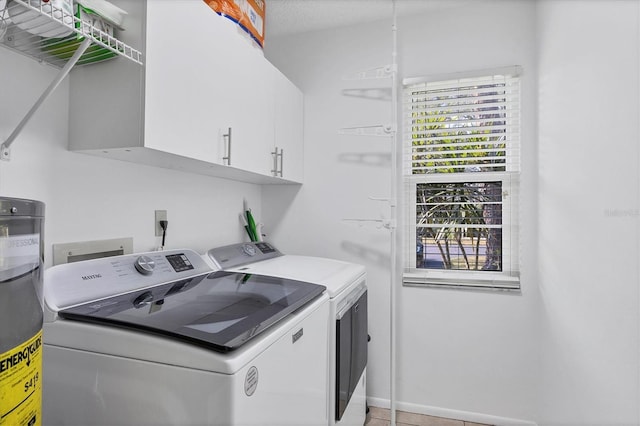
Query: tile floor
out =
(380, 417)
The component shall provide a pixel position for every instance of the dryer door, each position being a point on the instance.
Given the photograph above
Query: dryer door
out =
(351, 352)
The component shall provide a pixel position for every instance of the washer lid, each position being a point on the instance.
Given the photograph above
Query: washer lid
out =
(220, 311)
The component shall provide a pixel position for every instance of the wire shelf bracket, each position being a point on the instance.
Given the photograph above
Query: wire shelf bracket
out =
(5, 152)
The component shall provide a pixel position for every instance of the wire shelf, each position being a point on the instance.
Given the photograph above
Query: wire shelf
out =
(43, 31)
(375, 130)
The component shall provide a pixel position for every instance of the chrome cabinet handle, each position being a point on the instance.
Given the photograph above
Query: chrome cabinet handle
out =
(281, 160)
(227, 156)
(274, 170)
(277, 171)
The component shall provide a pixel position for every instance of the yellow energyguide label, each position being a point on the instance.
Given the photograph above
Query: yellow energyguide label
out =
(21, 384)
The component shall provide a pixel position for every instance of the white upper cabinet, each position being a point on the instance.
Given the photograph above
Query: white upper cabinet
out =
(207, 101)
(184, 102)
(252, 115)
(288, 136)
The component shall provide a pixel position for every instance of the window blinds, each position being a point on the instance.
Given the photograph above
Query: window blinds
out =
(461, 157)
(463, 125)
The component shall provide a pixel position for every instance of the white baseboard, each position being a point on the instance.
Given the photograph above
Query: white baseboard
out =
(450, 414)
(378, 402)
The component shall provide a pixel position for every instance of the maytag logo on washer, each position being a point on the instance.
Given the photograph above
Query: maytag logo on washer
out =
(251, 381)
(92, 277)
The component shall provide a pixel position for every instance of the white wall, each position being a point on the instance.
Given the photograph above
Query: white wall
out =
(465, 354)
(90, 198)
(589, 151)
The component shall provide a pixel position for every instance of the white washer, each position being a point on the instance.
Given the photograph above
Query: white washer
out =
(161, 339)
(346, 286)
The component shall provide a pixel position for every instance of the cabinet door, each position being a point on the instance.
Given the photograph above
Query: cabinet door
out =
(190, 80)
(289, 127)
(252, 112)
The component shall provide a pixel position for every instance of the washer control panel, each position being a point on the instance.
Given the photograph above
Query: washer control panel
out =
(74, 283)
(180, 262)
(239, 254)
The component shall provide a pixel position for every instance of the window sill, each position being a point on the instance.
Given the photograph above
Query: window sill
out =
(461, 280)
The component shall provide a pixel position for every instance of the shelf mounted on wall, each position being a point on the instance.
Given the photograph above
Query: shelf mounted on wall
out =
(386, 71)
(374, 130)
(51, 34)
(380, 223)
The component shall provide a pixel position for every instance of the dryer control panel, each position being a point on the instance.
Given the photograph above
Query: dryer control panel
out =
(243, 253)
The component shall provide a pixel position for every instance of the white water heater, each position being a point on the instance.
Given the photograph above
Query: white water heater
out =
(21, 271)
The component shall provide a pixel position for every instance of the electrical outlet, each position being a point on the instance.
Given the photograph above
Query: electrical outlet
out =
(160, 215)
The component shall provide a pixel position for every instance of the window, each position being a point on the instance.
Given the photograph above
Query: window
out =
(461, 165)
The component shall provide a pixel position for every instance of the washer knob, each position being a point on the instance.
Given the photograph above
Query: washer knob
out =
(249, 250)
(145, 265)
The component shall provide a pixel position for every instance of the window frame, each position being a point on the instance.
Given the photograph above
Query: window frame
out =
(509, 278)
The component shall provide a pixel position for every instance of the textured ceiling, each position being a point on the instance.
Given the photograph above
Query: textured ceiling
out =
(287, 17)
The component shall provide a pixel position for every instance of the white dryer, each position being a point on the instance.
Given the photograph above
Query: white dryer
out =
(347, 329)
(161, 339)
